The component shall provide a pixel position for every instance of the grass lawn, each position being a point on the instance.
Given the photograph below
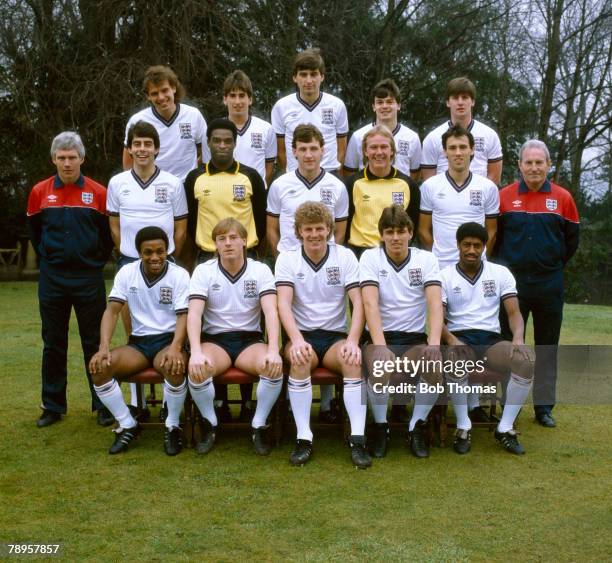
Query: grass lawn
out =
(59, 484)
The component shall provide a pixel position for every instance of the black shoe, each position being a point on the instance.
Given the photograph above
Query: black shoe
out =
(359, 456)
(463, 441)
(399, 414)
(301, 453)
(417, 440)
(246, 413)
(173, 440)
(261, 440)
(546, 419)
(223, 413)
(47, 418)
(104, 417)
(207, 439)
(380, 439)
(509, 441)
(123, 438)
(479, 414)
(143, 416)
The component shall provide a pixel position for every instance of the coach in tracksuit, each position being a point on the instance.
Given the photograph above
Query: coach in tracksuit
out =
(71, 236)
(537, 235)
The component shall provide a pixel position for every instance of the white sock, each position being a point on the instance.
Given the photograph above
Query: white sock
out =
(423, 403)
(327, 394)
(203, 395)
(378, 404)
(134, 395)
(355, 405)
(516, 395)
(473, 400)
(267, 393)
(111, 396)
(175, 398)
(300, 397)
(461, 408)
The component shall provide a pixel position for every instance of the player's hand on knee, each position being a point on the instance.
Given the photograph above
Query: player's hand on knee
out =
(199, 367)
(271, 365)
(300, 353)
(351, 353)
(524, 352)
(460, 352)
(100, 360)
(172, 361)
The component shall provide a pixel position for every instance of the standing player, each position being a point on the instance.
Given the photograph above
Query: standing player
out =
(539, 227)
(256, 142)
(386, 104)
(398, 285)
(70, 235)
(472, 292)
(145, 196)
(181, 128)
(460, 99)
(375, 187)
(308, 183)
(313, 282)
(224, 188)
(226, 298)
(156, 291)
(454, 197)
(310, 105)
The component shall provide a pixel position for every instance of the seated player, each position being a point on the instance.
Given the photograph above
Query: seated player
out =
(312, 283)
(472, 291)
(156, 292)
(226, 297)
(398, 285)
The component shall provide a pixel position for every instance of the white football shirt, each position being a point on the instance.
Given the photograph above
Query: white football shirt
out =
(232, 302)
(256, 145)
(319, 290)
(407, 146)
(153, 304)
(178, 137)
(451, 205)
(487, 148)
(327, 113)
(474, 303)
(157, 202)
(401, 287)
(290, 190)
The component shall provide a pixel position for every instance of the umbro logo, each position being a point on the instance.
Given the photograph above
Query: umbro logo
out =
(133, 289)
(52, 197)
(215, 287)
(456, 289)
(206, 192)
(366, 198)
(300, 276)
(517, 203)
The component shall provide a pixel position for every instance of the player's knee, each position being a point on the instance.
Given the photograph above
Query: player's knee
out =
(300, 371)
(174, 379)
(431, 376)
(523, 368)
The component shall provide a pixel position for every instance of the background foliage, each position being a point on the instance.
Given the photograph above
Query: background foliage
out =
(542, 69)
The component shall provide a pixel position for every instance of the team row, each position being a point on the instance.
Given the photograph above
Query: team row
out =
(392, 287)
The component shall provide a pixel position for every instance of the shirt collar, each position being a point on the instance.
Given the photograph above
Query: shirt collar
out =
(233, 169)
(523, 189)
(369, 175)
(57, 182)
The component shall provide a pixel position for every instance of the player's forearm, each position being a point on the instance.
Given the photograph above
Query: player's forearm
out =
(107, 328)
(288, 321)
(372, 315)
(357, 318)
(517, 326)
(273, 238)
(194, 329)
(180, 236)
(180, 332)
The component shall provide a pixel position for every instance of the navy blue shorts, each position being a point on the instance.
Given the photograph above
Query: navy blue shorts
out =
(322, 340)
(398, 338)
(235, 342)
(150, 345)
(479, 340)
